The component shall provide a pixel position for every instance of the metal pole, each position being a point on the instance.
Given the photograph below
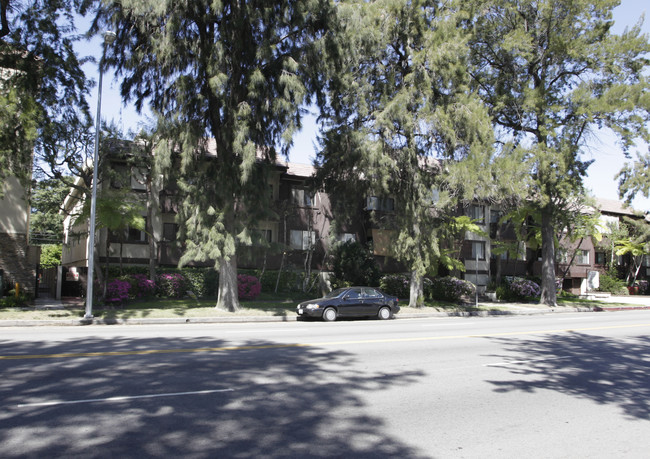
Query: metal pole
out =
(476, 285)
(108, 36)
(93, 205)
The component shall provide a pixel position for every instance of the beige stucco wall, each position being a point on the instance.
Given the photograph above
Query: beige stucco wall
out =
(14, 209)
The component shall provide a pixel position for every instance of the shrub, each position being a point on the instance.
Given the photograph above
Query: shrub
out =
(518, 289)
(353, 264)
(142, 286)
(610, 283)
(450, 288)
(396, 284)
(117, 290)
(248, 287)
(172, 285)
(644, 287)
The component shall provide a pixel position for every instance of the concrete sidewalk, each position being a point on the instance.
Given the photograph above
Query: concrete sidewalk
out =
(489, 309)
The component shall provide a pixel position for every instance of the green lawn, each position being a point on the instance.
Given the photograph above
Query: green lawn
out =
(282, 305)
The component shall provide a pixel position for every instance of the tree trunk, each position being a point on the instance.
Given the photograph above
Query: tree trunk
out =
(228, 298)
(549, 295)
(152, 204)
(416, 293)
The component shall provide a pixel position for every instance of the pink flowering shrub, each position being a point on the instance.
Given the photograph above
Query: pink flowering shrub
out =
(171, 285)
(248, 287)
(117, 291)
(142, 286)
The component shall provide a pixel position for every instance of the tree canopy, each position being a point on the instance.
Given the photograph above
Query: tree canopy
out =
(43, 88)
(399, 110)
(228, 80)
(552, 73)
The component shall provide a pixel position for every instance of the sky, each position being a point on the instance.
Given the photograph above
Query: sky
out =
(608, 158)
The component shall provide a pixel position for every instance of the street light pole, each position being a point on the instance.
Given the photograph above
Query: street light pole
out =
(108, 37)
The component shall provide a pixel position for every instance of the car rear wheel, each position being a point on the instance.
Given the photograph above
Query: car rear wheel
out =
(384, 313)
(329, 315)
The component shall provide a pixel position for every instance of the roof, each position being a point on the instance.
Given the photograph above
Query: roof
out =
(300, 170)
(612, 206)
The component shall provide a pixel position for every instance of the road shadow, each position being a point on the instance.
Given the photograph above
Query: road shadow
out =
(252, 399)
(605, 370)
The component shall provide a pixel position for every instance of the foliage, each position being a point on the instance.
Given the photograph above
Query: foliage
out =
(450, 288)
(634, 178)
(141, 286)
(636, 245)
(171, 285)
(353, 264)
(47, 86)
(236, 75)
(117, 290)
(248, 287)
(46, 222)
(13, 301)
(397, 103)
(396, 284)
(546, 98)
(518, 289)
(50, 255)
(291, 280)
(609, 282)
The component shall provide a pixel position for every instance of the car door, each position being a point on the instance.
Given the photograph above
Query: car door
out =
(372, 301)
(351, 303)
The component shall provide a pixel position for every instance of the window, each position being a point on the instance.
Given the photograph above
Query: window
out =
(582, 257)
(135, 235)
(600, 258)
(495, 216)
(301, 240)
(129, 236)
(301, 197)
(370, 293)
(345, 237)
(478, 250)
(379, 203)
(169, 231)
(477, 213)
(353, 294)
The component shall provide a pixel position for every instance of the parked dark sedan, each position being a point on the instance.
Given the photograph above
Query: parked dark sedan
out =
(350, 302)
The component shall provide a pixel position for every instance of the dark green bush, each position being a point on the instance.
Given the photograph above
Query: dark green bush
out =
(450, 288)
(353, 264)
(610, 283)
(396, 284)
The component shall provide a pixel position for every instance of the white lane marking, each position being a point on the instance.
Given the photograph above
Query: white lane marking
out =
(520, 362)
(455, 324)
(122, 398)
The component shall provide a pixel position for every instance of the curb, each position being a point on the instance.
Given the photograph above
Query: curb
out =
(261, 319)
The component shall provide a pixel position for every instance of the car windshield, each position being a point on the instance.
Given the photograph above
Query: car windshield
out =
(335, 293)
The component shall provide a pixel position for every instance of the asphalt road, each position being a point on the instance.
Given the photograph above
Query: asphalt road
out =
(552, 386)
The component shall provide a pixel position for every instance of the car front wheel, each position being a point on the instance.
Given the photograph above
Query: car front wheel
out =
(329, 315)
(384, 313)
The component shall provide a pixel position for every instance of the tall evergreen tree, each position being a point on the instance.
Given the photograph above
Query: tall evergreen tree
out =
(634, 179)
(235, 71)
(398, 104)
(46, 221)
(42, 86)
(552, 72)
